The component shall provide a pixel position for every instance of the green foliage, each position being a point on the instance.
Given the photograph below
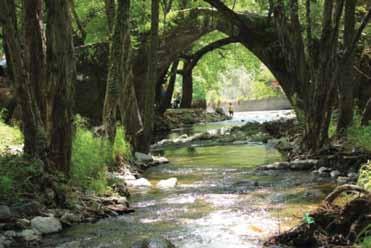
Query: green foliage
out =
(308, 219)
(364, 178)
(121, 146)
(92, 156)
(364, 237)
(360, 135)
(10, 136)
(18, 175)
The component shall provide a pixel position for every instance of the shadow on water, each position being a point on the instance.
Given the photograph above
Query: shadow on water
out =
(220, 201)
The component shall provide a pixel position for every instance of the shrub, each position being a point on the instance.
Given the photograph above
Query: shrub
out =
(360, 135)
(18, 175)
(92, 155)
(364, 178)
(121, 146)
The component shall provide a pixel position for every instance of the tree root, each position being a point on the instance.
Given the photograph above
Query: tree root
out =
(334, 226)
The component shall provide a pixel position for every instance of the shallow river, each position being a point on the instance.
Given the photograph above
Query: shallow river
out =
(220, 201)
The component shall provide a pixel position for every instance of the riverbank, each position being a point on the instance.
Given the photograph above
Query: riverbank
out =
(179, 118)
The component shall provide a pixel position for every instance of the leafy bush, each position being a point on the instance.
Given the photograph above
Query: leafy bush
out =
(92, 155)
(364, 178)
(360, 135)
(121, 146)
(364, 237)
(18, 175)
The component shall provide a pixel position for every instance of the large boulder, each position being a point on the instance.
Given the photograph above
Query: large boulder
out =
(46, 225)
(153, 243)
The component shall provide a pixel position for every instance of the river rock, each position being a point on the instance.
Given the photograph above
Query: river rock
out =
(324, 170)
(168, 183)
(141, 182)
(69, 218)
(342, 180)
(303, 164)
(352, 175)
(23, 223)
(5, 213)
(46, 225)
(153, 243)
(141, 157)
(29, 235)
(335, 173)
(160, 160)
(276, 166)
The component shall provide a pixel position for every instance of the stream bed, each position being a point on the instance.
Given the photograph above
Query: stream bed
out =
(221, 201)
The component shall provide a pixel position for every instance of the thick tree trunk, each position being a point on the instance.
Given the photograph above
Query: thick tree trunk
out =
(151, 80)
(346, 84)
(187, 87)
(166, 99)
(118, 70)
(35, 142)
(35, 52)
(61, 78)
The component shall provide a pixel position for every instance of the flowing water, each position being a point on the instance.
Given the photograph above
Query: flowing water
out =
(220, 201)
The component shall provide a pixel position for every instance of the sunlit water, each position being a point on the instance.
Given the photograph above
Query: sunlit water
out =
(220, 201)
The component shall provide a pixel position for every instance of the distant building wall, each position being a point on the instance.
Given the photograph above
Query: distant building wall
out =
(273, 103)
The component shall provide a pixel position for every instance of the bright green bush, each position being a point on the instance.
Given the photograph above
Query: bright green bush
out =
(121, 146)
(364, 178)
(92, 156)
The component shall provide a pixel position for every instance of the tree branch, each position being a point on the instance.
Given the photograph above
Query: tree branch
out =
(356, 38)
(212, 46)
(228, 13)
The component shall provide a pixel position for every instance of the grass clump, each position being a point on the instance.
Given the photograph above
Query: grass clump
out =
(92, 156)
(360, 135)
(10, 136)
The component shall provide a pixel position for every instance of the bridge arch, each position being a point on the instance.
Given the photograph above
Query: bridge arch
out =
(192, 24)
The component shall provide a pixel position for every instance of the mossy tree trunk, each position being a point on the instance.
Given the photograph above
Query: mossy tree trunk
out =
(61, 72)
(35, 141)
(346, 83)
(145, 139)
(117, 70)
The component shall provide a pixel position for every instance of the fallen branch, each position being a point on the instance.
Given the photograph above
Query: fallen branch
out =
(341, 189)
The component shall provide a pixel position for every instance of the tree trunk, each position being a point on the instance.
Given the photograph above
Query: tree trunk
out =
(61, 78)
(117, 72)
(110, 13)
(35, 52)
(166, 99)
(346, 84)
(187, 87)
(151, 80)
(35, 142)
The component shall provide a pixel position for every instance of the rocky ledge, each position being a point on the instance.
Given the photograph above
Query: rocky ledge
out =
(24, 223)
